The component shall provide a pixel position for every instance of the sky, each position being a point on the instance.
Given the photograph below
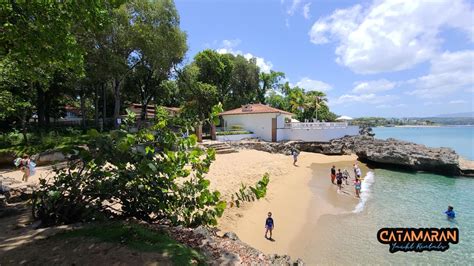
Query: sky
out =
(389, 58)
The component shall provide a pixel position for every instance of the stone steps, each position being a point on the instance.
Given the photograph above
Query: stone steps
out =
(219, 147)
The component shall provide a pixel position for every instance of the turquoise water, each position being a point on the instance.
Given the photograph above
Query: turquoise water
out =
(398, 199)
(459, 138)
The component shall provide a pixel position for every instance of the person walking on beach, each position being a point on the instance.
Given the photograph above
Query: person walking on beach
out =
(339, 180)
(269, 225)
(24, 165)
(295, 154)
(345, 175)
(357, 171)
(333, 174)
(357, 186)
(450, 213)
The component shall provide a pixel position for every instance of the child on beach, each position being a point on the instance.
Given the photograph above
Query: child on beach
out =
(295, 154)
(269, 225)
(450, 213)
(339, 180)
(333, 174)
(24, 165)
(357, 185)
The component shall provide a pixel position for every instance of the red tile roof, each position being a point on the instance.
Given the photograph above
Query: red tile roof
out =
(256, 108)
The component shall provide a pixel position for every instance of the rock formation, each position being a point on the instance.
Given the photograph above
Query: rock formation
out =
(384, 153)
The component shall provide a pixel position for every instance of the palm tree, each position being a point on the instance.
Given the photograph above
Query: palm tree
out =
(315, 99)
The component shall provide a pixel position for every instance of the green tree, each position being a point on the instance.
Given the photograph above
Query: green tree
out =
(244, 82)
(269, 81)
(39, 40)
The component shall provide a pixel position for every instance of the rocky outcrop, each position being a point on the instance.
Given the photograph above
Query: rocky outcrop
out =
(48, 157)
(390, 153)
(14, 190)
(7, 157)
(402, 154)
(226, 249)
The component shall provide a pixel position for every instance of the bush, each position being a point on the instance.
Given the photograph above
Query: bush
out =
(226, 133)
(154, 174)
(236, 128)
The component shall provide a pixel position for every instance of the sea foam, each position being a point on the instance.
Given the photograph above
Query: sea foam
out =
(365, 192)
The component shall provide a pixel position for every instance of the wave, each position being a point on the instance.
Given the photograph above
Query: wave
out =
(365, 192)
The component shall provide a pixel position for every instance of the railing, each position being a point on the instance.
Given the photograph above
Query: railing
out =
(316, 125)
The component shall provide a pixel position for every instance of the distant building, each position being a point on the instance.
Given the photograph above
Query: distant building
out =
(151, 110)
(272, 124)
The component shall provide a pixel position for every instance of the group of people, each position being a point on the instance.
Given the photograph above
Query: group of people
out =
(340, 176)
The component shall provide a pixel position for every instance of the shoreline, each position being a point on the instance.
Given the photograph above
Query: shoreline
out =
(293, 197)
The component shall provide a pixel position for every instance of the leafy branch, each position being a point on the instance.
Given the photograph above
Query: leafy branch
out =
(251, 193)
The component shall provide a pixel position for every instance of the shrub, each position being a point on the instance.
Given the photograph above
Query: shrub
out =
(154, 174)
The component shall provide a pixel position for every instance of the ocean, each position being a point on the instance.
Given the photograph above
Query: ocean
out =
(403, 199)
(459, 138)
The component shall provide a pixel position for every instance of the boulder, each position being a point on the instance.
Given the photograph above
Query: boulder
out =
(6, 158)
(48, 157)
(403, 154)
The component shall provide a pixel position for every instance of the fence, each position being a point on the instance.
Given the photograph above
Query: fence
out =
(316, 125)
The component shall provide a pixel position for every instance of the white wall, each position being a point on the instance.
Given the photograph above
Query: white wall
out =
(322, 135)
(259, 124)
(235, 137)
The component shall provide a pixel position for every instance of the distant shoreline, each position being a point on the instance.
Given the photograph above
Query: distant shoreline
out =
(422, 126)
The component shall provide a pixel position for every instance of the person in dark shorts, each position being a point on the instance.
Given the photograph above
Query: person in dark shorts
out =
(339, 178)
(333, 174)
(269, 225)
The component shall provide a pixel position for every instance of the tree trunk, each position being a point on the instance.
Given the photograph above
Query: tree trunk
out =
(104, 108)
(40, 105)
(83, 108)
(47, 107)
(23, 128)
(116, 85)
(96, 107)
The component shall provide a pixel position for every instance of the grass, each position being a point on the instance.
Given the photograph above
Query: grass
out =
(140, 238)
(39, 142)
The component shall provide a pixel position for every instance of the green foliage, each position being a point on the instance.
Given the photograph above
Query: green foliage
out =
(226, 133)
(140, 238)
(304, 104)
(249, 193)
(41, 141)
(269, 82)
(154, 174)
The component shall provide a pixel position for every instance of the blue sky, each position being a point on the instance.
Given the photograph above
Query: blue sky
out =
(390, 58)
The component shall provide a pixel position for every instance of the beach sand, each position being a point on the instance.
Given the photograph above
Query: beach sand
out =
(297, 196)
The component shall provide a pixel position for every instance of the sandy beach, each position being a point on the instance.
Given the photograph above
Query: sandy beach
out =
(297, 195)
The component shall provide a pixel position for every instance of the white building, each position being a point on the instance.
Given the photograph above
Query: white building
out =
(271, 124)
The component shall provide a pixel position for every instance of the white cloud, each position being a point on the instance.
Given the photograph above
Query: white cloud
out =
(449, 72)
(313, 85)
(230, 43)
(373, 86)
(391, 35)
(363, 98)
(265, 66)
(457, 101)
(306, 10)
(383, 106)
(293, 7)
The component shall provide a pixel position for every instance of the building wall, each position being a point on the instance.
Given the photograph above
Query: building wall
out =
(259, 124)
(322, 135)
(235, 137)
